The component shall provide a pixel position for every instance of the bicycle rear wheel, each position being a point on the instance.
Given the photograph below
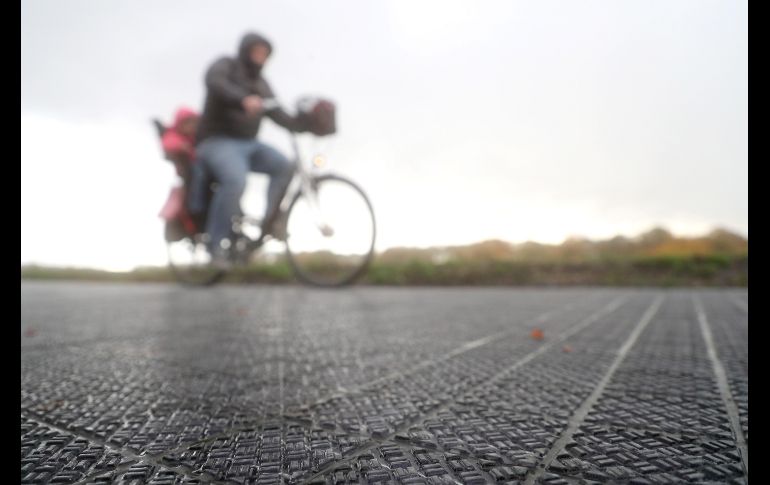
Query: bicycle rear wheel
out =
(189, 261)
(331, 242)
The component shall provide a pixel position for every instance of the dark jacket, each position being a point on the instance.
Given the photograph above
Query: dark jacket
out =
(228, 81)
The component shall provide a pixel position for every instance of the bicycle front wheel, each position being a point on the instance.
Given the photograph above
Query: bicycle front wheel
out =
(330, 232)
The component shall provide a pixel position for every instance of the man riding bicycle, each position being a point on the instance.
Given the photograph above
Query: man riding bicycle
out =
(227, 149)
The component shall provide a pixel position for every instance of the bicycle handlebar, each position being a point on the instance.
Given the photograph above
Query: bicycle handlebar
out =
(269, 104)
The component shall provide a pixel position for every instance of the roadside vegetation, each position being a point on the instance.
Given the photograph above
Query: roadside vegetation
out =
(655, 258)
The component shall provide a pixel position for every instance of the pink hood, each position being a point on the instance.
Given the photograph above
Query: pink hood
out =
(183, 114)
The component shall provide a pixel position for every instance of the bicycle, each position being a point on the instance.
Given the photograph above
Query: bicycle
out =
(325, 221)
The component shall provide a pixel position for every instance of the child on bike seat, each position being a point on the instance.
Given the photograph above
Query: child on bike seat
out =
(179, 141)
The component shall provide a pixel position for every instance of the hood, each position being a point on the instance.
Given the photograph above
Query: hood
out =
(183, 114)
(247, 42)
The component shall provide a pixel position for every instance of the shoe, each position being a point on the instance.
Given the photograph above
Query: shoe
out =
(220, 259)
(277, 229)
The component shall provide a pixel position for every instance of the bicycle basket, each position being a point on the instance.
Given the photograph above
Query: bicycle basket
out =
(318, 115)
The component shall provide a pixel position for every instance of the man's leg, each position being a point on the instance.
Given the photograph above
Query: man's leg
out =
(226, 161)
(268, 160)
(196, 190)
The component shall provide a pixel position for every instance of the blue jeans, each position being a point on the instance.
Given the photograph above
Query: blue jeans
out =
(228, 162)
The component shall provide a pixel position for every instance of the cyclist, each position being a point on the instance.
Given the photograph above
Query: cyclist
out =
(226, 147)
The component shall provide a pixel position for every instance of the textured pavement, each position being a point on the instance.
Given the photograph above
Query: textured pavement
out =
(164, 385)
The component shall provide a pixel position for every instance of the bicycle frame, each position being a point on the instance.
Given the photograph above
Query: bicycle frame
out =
(305, 188)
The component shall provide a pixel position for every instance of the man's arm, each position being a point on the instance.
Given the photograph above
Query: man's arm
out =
(218, 82)
(284, 119)
(278, 115)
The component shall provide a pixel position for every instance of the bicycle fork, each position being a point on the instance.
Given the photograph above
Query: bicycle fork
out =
(309, 191)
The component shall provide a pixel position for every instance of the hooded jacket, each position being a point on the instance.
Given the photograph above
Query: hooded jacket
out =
(175, 144)
(228, 81)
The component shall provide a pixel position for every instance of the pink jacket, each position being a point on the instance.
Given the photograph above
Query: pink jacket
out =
(174, 142)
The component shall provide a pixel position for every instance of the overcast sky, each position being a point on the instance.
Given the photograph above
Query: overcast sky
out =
(464, 121)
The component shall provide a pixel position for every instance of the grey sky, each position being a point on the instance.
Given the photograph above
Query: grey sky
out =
(464, 120)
